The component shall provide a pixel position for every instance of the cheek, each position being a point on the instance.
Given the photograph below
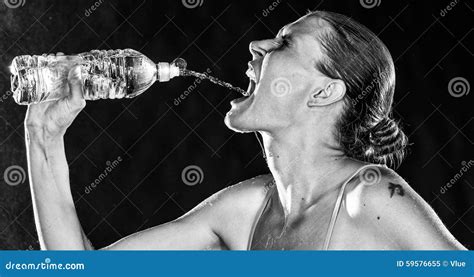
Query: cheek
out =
(277, 78)
(283, 88)
(283, 74)
(279, 101)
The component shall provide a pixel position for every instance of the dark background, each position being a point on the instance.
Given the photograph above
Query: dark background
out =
(157, 139)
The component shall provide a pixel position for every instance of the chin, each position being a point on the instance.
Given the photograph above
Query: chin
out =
(237, 123)
(240, 118)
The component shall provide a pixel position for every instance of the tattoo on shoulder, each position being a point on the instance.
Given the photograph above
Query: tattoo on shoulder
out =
(395, 188)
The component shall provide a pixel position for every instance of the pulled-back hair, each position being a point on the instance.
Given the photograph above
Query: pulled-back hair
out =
(352, 53)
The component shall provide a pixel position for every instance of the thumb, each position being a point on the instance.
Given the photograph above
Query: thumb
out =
(76, 96)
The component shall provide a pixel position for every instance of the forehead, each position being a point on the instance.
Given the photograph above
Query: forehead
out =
(306, 25)
(305, 33)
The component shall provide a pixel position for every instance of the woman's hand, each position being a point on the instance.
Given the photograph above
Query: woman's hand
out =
(49, 120)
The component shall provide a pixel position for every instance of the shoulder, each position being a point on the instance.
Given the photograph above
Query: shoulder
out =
(386, 203)
(375, 185)
(245, 192)
(230, 213)
(238, 202)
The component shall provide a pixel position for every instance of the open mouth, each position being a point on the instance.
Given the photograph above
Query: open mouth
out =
(252, 79)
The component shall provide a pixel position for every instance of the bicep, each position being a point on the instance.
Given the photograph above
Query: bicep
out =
(180, 234)
(192, 231)
(219, 222)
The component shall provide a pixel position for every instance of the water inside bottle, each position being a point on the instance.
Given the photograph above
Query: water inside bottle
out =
(107, 74)
(116, 74)
(36, 78)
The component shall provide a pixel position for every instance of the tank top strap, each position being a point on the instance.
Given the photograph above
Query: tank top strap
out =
(367, 175)
(269, 187)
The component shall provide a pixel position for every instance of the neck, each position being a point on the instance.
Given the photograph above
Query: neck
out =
(305, 168)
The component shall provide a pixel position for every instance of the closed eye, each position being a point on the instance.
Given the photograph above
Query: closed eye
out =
(285, 42)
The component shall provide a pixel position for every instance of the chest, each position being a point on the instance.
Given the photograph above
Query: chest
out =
(273, 232)
(309, 233)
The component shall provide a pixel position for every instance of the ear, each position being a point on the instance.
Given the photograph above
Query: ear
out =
(333, 92)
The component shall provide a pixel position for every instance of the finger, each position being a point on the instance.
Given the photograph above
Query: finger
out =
(76, 96)
(60, 55)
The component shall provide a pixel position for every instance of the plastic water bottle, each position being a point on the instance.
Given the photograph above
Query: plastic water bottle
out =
(106, 74)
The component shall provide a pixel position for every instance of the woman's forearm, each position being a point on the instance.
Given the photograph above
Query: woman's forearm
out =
(55, 215)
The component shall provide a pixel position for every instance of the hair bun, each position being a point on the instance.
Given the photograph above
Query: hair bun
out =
(385, 140)
(384, 129)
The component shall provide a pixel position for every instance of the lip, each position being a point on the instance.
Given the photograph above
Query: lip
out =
(250, 91)
(238, 100)
(253, 76)
(254, 71)
(251, 73)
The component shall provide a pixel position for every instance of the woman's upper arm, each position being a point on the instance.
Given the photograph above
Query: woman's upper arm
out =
(180, 234)
(427, 231)
(222, 221)
(192, 231)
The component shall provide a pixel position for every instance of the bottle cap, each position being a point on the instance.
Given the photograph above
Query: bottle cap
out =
(167, 71)
(163, 72)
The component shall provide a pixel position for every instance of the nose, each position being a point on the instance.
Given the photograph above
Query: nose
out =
(260, 48)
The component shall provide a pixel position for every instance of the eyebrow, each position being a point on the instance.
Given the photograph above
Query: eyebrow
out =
(282, 29)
